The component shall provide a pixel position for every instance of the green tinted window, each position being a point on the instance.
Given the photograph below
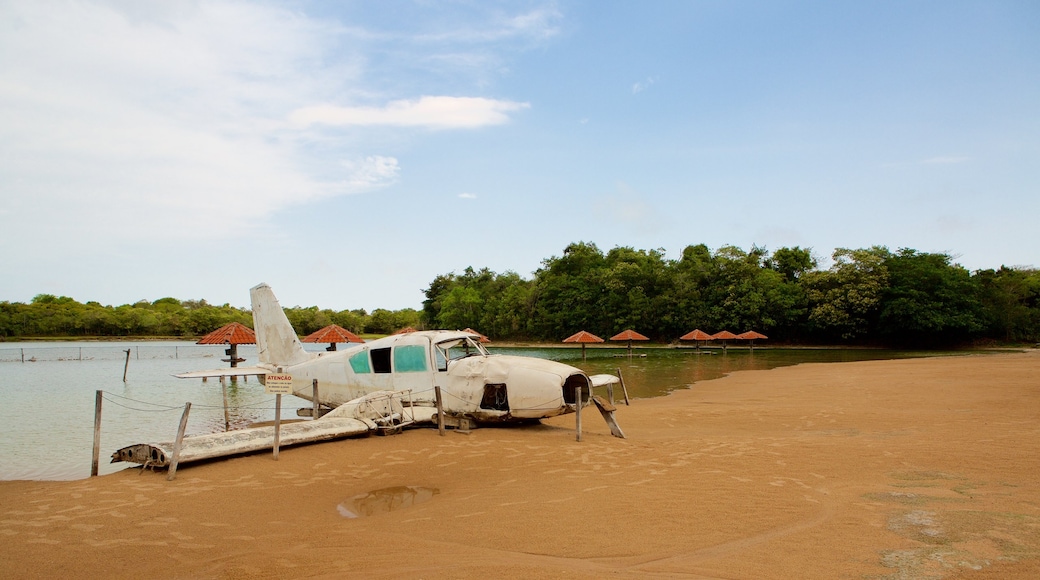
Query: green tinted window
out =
(359, 362)
(410, 358)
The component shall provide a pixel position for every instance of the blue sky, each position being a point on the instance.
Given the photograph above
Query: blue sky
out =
(348, 152)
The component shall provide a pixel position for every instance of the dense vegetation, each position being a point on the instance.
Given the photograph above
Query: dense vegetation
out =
(867, 296)
(61, 316)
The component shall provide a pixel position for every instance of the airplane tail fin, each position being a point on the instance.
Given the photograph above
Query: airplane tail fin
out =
(276, 341)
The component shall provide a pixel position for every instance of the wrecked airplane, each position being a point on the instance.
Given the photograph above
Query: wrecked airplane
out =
(387, 384)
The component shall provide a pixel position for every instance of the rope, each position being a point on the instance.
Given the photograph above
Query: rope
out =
(162, 410)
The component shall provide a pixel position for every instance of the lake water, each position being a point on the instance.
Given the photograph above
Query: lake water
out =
(48, 400)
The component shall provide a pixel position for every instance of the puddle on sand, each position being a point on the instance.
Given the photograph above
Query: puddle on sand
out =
(385, 500)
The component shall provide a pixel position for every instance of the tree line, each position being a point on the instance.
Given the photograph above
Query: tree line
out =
(60, 316)
(867, 296)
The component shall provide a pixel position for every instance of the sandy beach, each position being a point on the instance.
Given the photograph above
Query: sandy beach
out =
(920, 468)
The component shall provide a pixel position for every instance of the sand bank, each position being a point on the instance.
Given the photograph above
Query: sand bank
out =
(923, 468)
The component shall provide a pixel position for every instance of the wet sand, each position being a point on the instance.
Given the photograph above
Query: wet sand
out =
(923, 468)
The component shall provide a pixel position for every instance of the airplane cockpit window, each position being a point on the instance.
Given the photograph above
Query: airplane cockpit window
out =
(359, 363)
(455, 349)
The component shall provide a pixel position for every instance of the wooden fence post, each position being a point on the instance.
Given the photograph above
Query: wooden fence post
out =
(623, 389)
(223, 391)
(440, 411)
(577, 412)
(97, 434)
(126, 365)
(277, 423)
(180, 438)
(314, 394)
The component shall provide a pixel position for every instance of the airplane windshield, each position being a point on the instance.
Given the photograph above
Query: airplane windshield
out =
(450, 350)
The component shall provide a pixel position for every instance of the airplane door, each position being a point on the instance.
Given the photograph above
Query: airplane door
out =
(412, 369)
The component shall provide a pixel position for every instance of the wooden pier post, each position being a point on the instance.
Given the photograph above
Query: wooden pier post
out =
(227, 417)
(180, 439)
(623, 389)
(127, 364)
(577, 412)
(277, 423)
(97, 434)
(440, 411)
(314, 394)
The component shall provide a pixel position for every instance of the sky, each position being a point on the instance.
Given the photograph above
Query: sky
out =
(347, 153)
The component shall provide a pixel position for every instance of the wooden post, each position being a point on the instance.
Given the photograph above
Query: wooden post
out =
(314, 393)
(277, 423)
(97, 434)
(23, 354)
(126, 365)
(610, 392)
(623, 389)
(440, 411)
(177, 444)
(577, 412)
(223, 390)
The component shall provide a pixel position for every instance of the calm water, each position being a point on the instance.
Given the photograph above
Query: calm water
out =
(48, 400)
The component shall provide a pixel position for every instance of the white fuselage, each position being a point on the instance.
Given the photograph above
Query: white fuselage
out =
(473, 383)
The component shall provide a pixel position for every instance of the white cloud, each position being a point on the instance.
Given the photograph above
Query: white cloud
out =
(156, 122)
(432, 112)
(468, 195)
(534, 26)
(370, 173)
(133, 121)
(643, 85)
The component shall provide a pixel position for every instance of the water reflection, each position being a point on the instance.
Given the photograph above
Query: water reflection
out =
(385, 500)
(663, 370)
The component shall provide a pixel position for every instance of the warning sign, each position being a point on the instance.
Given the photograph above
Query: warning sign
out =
(280, 384)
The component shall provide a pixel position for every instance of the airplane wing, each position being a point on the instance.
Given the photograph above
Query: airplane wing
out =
(224, 372)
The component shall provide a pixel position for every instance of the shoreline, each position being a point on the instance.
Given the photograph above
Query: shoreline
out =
(918, 467)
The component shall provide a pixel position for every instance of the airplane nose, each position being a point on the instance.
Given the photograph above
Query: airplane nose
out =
(571, 386)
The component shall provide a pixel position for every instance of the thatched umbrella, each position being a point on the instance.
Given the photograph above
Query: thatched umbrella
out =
(232, 334)
(723, 335)
(697, 335)
(332, 334)
(583, 338)
(629, 335)
(482, 337)
(750, 336)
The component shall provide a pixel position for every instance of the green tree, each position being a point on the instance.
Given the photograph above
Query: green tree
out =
(844, 301)
(567, 294)
(929, 301)
(1010, 301)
